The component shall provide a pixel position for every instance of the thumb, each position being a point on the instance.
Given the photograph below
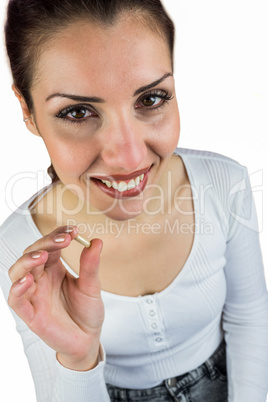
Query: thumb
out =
(88, 281)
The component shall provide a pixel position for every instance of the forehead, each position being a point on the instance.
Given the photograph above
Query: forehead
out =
(86, 57)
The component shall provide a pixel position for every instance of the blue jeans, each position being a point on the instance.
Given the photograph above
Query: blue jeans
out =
(206, 383)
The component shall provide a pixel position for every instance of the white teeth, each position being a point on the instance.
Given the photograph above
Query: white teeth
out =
(123, 186)
(108, 183)
(131, 184)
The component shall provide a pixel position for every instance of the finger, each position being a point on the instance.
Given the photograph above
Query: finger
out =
(30, 262)
(18, 300)
(56, 240)
(88, 281)
(53, 258)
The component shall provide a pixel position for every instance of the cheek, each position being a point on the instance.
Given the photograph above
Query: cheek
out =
(70, 159)
(71, 147)
(166, 134)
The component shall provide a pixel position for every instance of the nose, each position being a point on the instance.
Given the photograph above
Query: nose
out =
(125, 146)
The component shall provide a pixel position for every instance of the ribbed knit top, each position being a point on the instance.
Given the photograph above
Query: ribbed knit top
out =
(220, 292)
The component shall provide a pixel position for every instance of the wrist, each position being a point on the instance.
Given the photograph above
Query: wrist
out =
(79, 364)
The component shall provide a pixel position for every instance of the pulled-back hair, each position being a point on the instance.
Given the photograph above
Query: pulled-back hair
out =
(32, 24)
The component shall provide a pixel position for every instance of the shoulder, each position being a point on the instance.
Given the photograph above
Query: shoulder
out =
(200, 156)
(211, 167)
(221, 184)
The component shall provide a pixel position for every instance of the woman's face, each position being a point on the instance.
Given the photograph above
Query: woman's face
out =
(104, 105)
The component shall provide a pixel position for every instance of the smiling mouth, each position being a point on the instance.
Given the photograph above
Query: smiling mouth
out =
(120, 188)
(124, 185)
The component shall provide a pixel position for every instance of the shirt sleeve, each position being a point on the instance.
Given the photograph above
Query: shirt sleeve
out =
(52, 381)
(245, 314)
(72, 386)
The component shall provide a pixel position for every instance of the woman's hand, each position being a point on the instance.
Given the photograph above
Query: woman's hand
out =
(65, 312)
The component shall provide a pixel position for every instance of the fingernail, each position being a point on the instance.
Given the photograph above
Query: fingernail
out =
(22, 280)
(36, 254)
(59, 238)
(69, 229)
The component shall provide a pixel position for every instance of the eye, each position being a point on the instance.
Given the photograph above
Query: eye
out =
(153, 100)
(76, 114)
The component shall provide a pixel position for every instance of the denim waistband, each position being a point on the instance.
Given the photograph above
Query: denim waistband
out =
(209, 367)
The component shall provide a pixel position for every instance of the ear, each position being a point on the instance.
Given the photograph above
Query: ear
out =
(30, 123)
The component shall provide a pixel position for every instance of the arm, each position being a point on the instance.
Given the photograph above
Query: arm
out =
(51, 380)
(47, 325)
(72, 386)
(245, 314)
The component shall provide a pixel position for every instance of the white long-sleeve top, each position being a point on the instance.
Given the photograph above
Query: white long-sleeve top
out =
(220, 292)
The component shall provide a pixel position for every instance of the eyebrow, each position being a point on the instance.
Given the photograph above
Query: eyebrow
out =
(91, 99)
(153, 84)
(94, 99)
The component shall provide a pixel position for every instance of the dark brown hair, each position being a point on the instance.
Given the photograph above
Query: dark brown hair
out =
(31, 24)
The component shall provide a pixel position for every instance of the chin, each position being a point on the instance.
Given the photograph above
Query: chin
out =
(121, 214)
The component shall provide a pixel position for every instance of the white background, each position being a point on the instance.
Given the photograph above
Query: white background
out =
(222, 89)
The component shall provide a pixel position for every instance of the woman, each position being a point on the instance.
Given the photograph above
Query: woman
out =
(173, 261)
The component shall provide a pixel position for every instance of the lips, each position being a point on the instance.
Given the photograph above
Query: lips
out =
(117, 177)
(119, 186)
